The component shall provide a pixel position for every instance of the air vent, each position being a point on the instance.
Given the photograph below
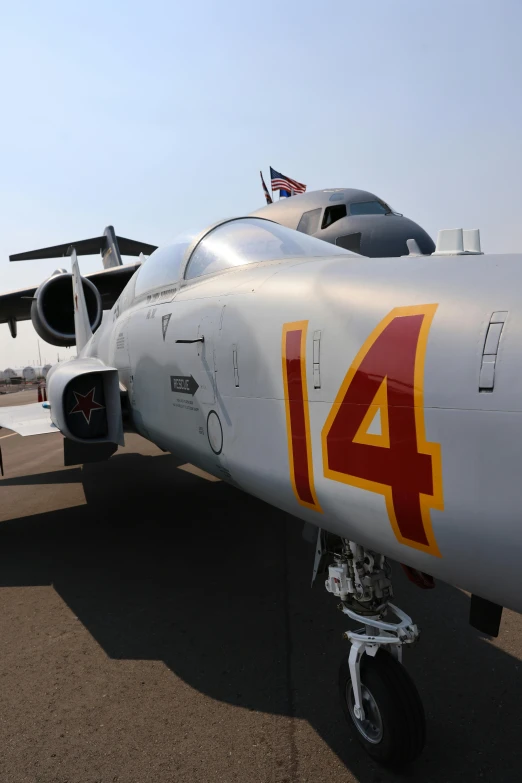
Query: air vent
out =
(490, 351)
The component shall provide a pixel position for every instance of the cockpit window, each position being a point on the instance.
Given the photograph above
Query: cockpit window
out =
(249, 240)
(309, 222)
(370, 208)
(333, 214)
(164, 266)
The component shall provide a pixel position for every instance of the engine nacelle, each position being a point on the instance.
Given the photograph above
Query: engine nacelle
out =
(84, 397)
(52, 311)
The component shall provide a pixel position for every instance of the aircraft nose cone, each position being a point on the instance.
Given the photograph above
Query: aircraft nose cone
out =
(387, 237)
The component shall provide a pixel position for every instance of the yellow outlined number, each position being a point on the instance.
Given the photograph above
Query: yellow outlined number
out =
(386, 381)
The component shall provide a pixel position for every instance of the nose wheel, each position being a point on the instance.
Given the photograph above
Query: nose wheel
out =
(378, 697)
(392, 728)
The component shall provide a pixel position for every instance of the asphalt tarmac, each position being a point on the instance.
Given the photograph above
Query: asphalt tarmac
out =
(158, 626)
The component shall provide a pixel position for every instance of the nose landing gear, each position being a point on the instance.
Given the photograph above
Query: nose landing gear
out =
(390, 724)
(378, 697)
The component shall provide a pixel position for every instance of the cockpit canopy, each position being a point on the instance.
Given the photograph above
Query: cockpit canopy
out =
(230, 244)
(163, 266)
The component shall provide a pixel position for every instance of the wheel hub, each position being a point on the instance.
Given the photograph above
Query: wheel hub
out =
(371, 726)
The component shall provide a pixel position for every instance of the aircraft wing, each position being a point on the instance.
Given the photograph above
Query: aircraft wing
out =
(32, 419)
(16, 305)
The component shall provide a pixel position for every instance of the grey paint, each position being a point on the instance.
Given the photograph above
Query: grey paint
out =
(111, 252)
(381, 235)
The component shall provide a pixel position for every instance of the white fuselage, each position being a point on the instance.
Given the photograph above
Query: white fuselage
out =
(238, 423)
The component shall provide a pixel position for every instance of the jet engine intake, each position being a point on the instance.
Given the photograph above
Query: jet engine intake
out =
(52, 311)
(84, 396)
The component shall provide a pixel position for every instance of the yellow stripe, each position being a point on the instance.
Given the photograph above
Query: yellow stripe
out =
(301, 326)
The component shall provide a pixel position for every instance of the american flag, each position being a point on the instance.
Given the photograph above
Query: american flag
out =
(280, 182)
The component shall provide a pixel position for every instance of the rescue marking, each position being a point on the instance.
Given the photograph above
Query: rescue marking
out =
(387, 375)
(184, 384)
(297, 414)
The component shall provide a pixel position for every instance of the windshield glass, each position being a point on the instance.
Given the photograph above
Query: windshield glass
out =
(248, 240)
(370, 208)
(164, 266)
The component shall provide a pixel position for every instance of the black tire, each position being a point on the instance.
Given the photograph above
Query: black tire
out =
(396, 731)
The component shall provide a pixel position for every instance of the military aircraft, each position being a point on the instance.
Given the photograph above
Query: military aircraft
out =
(354, 219)
(377, 401)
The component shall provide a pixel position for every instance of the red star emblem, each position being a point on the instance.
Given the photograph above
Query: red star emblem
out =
(86, 404)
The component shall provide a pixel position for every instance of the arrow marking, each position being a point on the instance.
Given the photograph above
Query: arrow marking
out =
(183, 384)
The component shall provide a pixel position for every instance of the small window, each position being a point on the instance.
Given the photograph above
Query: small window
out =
(249, 240)
(369, 208)
(309, 222)
(333, 214)
(350, 242)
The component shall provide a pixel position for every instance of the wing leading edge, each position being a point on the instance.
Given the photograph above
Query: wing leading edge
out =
(84, 247)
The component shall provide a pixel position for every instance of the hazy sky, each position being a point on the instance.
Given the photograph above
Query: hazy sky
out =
(156, 117)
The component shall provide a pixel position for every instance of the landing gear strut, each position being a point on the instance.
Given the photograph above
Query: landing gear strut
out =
(379, 699)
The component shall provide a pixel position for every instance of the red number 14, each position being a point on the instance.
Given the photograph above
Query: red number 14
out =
(383, 391)
(386, 378)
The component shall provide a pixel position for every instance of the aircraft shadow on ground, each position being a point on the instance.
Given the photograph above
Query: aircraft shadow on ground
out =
(162, 565)
(55, 477)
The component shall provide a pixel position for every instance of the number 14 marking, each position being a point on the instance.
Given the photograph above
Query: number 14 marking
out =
(386, 378)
